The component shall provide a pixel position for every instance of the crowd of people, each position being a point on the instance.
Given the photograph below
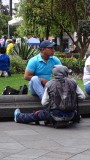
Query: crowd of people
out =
(6, 50)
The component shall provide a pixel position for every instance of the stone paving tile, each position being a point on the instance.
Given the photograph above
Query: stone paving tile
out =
(42, 144)
(31, 142)
(3, 154)
(55, 156)
(23, 132)
(81, 157)
(5, 138)
(71, 150)
(28, 154)
(18, 158)
(11, 146)
(28, 138)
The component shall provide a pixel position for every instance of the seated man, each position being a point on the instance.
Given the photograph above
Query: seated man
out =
(4, 63)
(60, 73)
(39, 68)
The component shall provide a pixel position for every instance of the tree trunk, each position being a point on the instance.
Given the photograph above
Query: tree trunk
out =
(47, 31)
(61, 41)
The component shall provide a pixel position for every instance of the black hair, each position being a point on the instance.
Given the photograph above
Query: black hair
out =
(14, 40)
(87, 54)
(2, 50)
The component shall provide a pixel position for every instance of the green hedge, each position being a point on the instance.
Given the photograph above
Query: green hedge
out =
(76, 65)
(17, 64)
(67, 55)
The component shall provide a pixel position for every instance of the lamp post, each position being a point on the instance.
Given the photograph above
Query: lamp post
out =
(10, 7)
(10, 12)
(0, 5)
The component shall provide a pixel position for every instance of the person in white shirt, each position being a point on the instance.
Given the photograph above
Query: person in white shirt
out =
(86, 74)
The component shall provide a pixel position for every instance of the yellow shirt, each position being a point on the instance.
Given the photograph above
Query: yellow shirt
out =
(9, 49)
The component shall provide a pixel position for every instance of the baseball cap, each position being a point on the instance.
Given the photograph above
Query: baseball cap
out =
(46, 44)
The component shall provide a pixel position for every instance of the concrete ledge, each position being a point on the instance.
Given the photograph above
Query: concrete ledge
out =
(27, 103)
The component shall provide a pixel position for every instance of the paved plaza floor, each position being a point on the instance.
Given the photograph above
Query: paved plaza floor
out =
(33, 142)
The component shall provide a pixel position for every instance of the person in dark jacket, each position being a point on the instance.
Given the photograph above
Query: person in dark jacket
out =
(59, 71)
(4, 63)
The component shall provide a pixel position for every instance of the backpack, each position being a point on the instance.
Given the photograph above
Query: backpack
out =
(65, 97)
(11, 91)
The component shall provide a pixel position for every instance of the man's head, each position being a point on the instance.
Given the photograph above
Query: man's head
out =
(47, 47)
(60, 70)
(2, 50)
(87, 54)
(11, 41)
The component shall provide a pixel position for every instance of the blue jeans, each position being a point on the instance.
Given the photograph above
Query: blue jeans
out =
(35, 87)
(40, 115)
(37, 116)
(87, 88)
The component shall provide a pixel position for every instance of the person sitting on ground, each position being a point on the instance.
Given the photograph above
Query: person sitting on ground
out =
(86, 74)
(60, 72)
(10, 46)
(39, 68)
(4, 63)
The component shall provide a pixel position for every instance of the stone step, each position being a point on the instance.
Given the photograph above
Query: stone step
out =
(27, 103)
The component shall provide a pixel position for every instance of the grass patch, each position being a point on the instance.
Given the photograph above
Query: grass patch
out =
(15, 81)
(80, 83)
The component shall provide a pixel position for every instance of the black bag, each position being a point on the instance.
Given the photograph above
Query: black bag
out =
(64, 121)
(11, 91)
(23, 89)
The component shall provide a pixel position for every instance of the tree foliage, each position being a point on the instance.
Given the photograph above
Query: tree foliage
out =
(57, 16)
(4, 24)
(4, 18)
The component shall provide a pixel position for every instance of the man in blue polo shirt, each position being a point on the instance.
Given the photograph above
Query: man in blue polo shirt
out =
(39, 68)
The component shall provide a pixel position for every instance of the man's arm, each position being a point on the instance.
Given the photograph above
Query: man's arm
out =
(80, 93)
(45, 98)
(28, 75)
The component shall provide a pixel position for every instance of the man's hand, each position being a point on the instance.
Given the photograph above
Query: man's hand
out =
(43, 81)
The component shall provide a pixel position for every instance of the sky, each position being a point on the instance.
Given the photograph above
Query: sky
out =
(6, 2)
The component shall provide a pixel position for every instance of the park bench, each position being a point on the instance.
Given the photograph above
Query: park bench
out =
(28, 103)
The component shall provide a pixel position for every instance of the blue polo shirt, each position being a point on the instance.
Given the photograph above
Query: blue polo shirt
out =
(41, 68)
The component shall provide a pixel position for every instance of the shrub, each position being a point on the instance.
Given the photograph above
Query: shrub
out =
(76, 65)
(66, 55)
(25, 51)
(17, 64)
